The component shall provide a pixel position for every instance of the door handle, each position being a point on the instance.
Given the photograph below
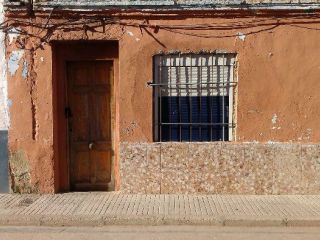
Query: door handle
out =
(91, 145)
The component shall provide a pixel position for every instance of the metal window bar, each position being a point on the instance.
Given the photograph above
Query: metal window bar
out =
(223, 98)
(160, 99)
(170, 107)
(231, 98)
(179, 98)
(200, 97)
(194, 123)
(210, 99)
(177, 86)
(190, 101)
(187, 84)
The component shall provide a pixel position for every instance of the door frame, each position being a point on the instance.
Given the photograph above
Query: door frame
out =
(63, 52)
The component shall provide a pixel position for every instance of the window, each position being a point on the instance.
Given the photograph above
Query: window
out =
(193, 97)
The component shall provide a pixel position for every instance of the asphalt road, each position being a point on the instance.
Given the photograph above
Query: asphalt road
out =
(158, 233)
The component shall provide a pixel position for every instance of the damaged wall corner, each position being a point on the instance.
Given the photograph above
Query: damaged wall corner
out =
(20, 174)
(4, 116)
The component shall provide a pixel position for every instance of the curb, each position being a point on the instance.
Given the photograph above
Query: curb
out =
(310, 222)
(92, 221)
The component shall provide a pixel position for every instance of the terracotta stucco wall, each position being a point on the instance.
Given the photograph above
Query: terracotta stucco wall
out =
(278, 80)
(278, 99)
(31, 122)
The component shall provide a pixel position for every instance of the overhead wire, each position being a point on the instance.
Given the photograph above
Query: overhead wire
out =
(92, 23)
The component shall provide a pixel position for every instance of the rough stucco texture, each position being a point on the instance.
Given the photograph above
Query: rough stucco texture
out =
(278, 100)
(220, 168)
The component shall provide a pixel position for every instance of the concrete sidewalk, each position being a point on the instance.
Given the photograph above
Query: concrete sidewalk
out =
(97, 209)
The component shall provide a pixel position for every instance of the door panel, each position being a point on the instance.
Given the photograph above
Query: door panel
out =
(79, 124)
(82, 175)
(78, 72)
(102, 129)
(101, 166)
(89, 124)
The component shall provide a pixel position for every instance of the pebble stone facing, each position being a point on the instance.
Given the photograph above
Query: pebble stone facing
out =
(76, 209)
(220, 168)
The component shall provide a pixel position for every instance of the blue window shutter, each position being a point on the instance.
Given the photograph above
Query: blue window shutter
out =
(196, 111)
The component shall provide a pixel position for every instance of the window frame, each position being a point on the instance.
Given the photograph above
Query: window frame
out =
(231, 90)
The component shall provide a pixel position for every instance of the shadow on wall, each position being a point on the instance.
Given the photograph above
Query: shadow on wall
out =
(4, 178)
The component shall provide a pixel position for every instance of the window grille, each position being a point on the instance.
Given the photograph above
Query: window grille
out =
(193, 97)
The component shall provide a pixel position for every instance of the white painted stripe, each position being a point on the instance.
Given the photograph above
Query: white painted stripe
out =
(4, 115)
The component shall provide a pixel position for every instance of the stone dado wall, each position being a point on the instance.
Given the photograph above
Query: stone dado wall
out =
(220, 168)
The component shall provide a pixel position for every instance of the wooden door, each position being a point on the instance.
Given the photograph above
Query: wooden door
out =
(89, 124)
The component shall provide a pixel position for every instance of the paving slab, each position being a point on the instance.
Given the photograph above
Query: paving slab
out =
(101, 208)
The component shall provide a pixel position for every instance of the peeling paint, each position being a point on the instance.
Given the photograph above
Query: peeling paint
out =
(4, 113)
(130, 33)
(9, 102)
(274, 119)
(241, 36)
(13, 62)
(25, 70)
(13, 33)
